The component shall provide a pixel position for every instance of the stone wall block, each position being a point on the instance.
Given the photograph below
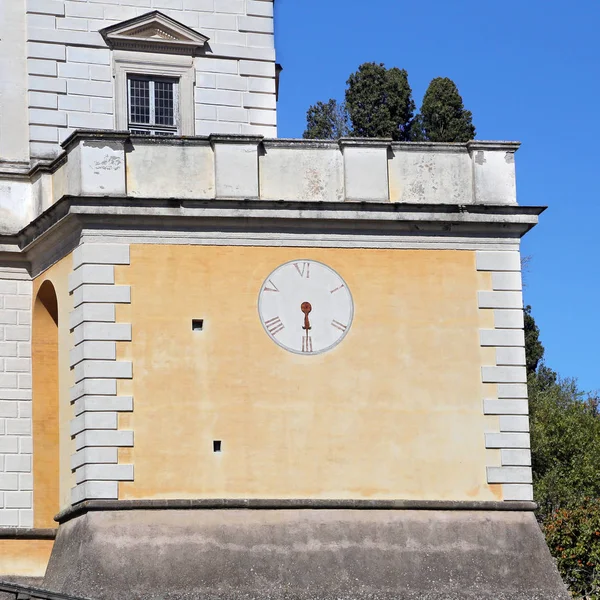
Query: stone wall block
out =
(492, 406)
(103, 403)
(498, 261)
(118, 294)
(95, 456)
(109, 438)
(103, 369)
(95, 490)
(101, 254)
(515, 458)
(509, 475)
(96, 420)
(494, 172)
(236, 166)
(519, 423)
(104, 472)
(507, 440)
(518, 492)
(91, 274)
(366, 170)
(103, 168)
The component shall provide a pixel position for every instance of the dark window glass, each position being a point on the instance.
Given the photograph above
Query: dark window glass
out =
(139, 101)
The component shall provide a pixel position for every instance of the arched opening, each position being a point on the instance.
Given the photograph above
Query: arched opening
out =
(44, 352)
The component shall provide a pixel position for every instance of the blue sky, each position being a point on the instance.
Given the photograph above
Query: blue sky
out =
(529, 70)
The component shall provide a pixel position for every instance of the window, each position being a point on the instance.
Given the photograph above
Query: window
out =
(153, 104)
(154, 93)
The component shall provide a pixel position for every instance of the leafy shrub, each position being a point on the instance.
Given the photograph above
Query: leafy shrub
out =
(573, 536)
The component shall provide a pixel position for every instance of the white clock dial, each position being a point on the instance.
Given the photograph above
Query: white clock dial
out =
(305, 307)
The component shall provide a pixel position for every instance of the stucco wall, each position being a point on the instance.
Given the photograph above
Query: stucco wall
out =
(394, 411)
(24, 558)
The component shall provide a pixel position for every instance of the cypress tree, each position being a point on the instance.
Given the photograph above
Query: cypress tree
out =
(443, 116)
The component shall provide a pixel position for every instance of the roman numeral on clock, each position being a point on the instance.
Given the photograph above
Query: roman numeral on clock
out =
(303, 269)
(306, 344)
(273, 287)
(339, 325)
(274, 325)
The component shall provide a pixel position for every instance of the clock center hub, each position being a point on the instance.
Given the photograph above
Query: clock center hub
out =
(306, 307)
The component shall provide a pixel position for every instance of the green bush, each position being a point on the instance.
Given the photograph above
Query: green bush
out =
(573, 536)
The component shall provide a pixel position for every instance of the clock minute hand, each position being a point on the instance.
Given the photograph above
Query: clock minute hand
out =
(306, 307)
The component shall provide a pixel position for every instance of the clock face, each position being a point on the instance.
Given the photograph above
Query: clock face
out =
(305, 307)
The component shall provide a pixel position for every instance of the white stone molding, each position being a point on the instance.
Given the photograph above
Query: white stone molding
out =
(96, 369)
(142, 63)
(16, 475)
(154, 32)
(508, 373)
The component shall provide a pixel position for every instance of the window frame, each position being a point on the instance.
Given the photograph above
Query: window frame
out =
(153, 128)
(173, 67)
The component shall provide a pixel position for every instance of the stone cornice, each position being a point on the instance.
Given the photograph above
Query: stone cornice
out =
(21, 533)
(291, 504)
(231, 222)
(103, 135)
(493, 145)
(352, 215)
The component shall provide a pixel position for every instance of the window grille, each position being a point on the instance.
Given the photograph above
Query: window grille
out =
(153, 105)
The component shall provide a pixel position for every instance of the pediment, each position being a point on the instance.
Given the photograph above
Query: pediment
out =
(154, 32)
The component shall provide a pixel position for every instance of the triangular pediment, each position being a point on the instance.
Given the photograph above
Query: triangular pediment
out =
(154, 32)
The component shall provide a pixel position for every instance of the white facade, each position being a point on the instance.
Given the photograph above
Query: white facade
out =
(59, 73)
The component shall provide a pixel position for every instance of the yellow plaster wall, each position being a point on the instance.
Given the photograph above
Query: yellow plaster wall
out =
(45, 406)
(58, 275)
(24, 558)
(394, 411)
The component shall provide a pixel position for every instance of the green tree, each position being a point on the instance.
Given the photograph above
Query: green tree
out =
(565, 443)
(379, 102)
(534, 351)
(565, 449)
(326, 121)
(443, 117)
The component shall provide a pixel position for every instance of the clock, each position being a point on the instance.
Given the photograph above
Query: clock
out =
(305, 307)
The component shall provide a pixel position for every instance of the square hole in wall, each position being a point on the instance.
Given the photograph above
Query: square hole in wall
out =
(197, 324)
(216, 445)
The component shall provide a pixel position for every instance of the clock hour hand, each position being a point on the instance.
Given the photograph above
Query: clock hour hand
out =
(306, 307)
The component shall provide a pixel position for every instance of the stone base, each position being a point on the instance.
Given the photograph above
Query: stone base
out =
(303, 554)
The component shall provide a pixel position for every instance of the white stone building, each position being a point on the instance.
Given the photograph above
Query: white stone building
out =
(69, 64)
